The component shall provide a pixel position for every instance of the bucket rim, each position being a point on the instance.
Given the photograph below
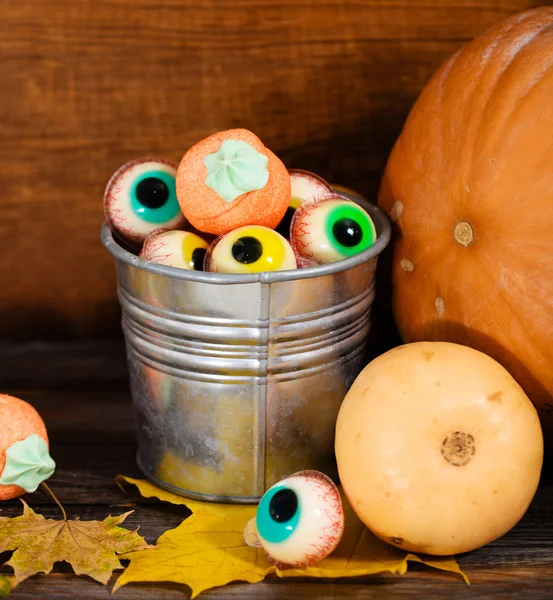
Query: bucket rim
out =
(384, 233)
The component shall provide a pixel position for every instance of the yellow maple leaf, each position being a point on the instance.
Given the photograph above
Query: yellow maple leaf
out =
(5, 586)
(90, 547)
(208, 550)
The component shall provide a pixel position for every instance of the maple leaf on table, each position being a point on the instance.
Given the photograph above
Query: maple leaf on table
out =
(208, 549)
(90, 547)
(6, 585)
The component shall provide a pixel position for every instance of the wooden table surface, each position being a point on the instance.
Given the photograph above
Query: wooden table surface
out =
(81, 391)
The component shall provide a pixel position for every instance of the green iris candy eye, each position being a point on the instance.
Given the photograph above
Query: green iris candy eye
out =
(331, 228)
(278, 514)
(350, 229)
(154, 197)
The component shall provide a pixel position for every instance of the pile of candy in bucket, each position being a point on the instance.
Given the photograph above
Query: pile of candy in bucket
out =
(231, 206)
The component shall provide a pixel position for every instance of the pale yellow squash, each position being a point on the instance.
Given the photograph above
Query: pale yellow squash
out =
(439, 450)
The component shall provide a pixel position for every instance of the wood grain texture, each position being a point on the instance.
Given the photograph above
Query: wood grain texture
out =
(89, 85)
(92, 440)
(418, 584)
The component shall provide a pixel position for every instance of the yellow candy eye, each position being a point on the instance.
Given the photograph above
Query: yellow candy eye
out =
(181, 249)
(250, 249)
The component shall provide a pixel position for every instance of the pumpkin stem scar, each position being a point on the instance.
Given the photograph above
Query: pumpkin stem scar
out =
(440, 306)
(407, 265)
(458, 448)
(396, 211)
(463, 233)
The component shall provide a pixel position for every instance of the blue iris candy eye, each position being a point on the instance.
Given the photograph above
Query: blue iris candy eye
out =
(141, 197)
(278, 514)
(154, 197)
(299, 521)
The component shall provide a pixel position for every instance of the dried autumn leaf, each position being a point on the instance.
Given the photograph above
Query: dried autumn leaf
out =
(361, 553)
(90, 547)
(208, 550)
(5, 586)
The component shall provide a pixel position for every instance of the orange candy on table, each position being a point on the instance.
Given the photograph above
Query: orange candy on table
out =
(22, 423)
(230, 180)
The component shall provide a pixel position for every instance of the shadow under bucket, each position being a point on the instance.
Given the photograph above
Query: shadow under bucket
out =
(237, 380)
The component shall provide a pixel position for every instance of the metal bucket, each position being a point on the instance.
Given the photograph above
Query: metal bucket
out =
(236, 380)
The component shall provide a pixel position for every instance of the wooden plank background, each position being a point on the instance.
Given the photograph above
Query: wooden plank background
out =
(87, 85)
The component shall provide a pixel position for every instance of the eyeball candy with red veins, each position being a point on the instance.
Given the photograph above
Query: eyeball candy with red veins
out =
(304, 185)
(24, 458)
(181, 249)
(250, 249)
(299, 521)
(328, 229)
(230, 180)
(141, 197)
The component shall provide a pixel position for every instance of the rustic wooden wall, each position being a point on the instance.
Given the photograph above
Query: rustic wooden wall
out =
(88, 84)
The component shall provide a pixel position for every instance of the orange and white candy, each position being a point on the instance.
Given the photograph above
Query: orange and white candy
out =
(25, 461)
(230, 180)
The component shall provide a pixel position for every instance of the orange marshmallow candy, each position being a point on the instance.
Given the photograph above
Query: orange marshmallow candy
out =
(230, 180)
(22, 433)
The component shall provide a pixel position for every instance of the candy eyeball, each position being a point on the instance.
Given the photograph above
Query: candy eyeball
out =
(304, 185)
(299, 521)
(250, 249)
(328, 229)
(141, 197)
(181, 249)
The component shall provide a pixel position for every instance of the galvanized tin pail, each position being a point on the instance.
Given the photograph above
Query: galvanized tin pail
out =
(236, 380)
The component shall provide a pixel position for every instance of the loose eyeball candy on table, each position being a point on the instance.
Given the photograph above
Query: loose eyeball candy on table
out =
(304, 185)
(328, 229)
(229, 180)
(250, 249)
(299, 521)
(24, 458)
(141, 197)
(181, 249)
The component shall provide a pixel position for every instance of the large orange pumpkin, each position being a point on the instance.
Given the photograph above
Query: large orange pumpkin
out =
(469, 186)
